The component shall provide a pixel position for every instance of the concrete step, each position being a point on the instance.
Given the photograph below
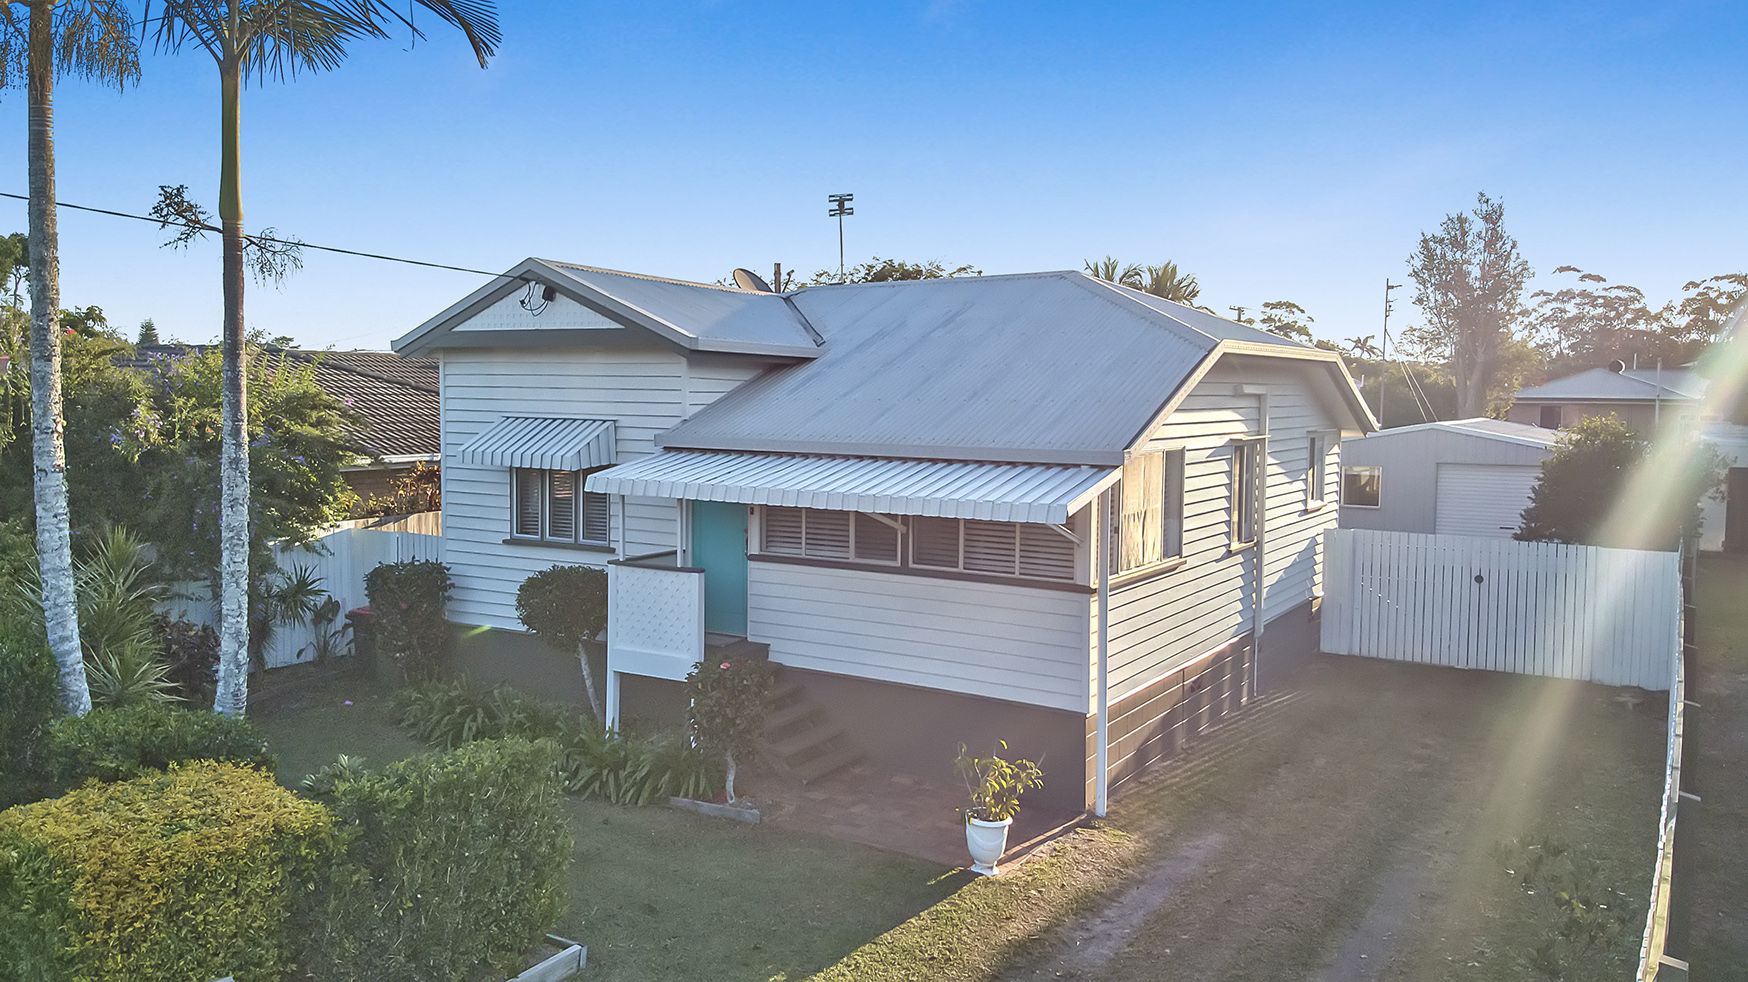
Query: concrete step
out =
(826, 765)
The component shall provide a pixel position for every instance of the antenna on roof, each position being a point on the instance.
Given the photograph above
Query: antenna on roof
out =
(840, 207)
(746, 279)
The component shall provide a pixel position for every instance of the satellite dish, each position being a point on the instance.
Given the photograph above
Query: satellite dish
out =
(746, 279)
(1617, 366)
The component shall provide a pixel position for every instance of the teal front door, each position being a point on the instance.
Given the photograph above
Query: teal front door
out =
(719, 547)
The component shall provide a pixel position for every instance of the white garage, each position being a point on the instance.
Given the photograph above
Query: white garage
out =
(1482, 499)
(1464, 477)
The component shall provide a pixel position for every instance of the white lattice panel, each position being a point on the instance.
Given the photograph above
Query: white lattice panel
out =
(655, 623)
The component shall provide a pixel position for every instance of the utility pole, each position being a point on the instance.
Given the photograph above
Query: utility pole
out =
(1385, 350)
(840, 207)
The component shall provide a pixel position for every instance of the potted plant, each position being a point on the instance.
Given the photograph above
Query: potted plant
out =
(994, 785)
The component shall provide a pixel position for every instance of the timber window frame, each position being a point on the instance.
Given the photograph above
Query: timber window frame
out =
(1147, 513)
(550, 506)
(1355, 479)
(1316, 471)
(1248, 495)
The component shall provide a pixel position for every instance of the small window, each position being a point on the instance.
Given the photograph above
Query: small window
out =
(1147, 518)
(1550, 417)
(1316, 470)
(552, 506)
(821, 534)
(1362, 486)
(934, 542)
(1246, 466)
(876, 538)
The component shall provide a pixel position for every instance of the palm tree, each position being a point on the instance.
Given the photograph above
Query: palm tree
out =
(1164, 280)
(1364, 346)
(42, 39)
(270, 40)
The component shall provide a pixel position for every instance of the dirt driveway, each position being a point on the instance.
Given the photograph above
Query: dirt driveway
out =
(1370, 824)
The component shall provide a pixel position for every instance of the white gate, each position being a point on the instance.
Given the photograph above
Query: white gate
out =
(1535, 608)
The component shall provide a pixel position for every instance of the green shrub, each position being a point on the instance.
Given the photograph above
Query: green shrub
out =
(118, 744)
(727, 704)
(454, 866)
(191, 653)
(566, 607)
(186, 875)
(30, 697)
(408, 601)
(622, 768)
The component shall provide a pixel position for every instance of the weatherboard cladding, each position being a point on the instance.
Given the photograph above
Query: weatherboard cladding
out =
(1044, 368)
(1001, 492)
(556, 444)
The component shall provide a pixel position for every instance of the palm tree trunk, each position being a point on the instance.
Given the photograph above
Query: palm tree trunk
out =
(54, 537)
(232, 697)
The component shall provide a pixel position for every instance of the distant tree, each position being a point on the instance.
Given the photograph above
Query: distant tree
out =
(878, 270)
(89, 321)
(1284, 318)
(1582, 494)
(1364, 346)
(1164, 280)
(14, 268)
(41, 40)
(1591, 320)
(1709, 312)
(418, 490)
(1470, 280)
(148, 333)
(1402, 392)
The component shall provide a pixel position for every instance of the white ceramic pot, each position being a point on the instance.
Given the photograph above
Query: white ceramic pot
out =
(987, 841)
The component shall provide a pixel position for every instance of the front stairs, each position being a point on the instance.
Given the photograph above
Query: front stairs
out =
(799, 742)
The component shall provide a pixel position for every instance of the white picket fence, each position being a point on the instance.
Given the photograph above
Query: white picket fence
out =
(1535, 608)
(341, 558)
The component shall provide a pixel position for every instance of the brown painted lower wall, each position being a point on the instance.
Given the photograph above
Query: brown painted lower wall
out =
(918, 731)
(1155, 723)
(532, 667)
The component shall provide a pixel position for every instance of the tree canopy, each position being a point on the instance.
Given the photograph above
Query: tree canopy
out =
(1595, 489)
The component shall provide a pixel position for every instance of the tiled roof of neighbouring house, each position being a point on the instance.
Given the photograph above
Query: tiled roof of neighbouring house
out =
(394, 398)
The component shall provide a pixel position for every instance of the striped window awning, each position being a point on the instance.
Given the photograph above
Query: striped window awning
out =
(545, 442)
(1035, 493)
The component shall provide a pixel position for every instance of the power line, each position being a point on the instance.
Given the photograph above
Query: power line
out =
(112, 213)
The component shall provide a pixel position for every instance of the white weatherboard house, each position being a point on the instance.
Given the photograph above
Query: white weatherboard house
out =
(895, 490)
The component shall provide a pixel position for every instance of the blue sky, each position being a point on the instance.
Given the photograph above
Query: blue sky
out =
(1274, 150)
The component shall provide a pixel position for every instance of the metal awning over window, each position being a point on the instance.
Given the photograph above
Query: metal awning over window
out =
(1045, 494)
(545, 442)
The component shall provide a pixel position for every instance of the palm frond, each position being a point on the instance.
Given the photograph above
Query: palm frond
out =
(92, 39)
(277, 39)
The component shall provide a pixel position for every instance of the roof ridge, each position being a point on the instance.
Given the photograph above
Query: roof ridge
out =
(979, 278)
(670, 280)
(1120, 295)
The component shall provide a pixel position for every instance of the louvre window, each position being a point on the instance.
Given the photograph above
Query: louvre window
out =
(552, 506)
(993, 548)
(934, 542)
(1147, 516)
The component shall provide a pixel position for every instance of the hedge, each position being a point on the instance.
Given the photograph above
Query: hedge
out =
(123, 743)
(454, 866)
(29, 699)
(408, 602)
(186, 875)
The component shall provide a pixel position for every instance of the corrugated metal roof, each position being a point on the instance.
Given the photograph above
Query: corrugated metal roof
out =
(718, 318)
(1043, 367)
(1491, 429)
(1632, 385)
(549, 443)
(1036, 493)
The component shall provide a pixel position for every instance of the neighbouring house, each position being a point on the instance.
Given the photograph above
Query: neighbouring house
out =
(393, 398)
(893, 491)
(1670, 399)
(1464, 477)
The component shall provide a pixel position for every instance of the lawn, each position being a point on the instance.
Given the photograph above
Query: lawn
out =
(1711, 886)
(655, 893)
(1361, 825)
